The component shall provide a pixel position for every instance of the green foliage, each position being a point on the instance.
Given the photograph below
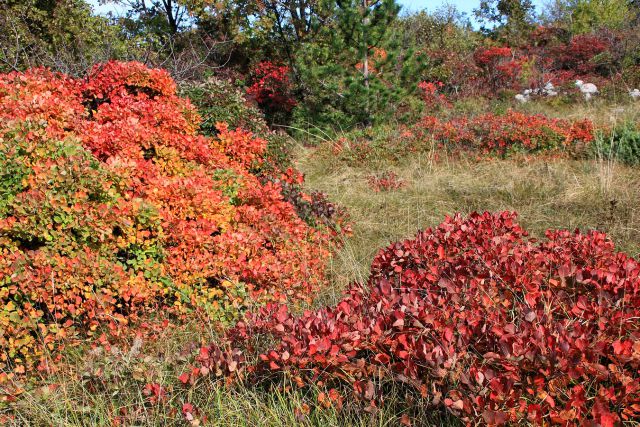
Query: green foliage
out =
(218, 100)
(590, 15)
(67, 36)
(587, 16)
(357, 70)
(12, 173)
(621, 143)
(47, 184)
(509, 20)
(64, 34)
(272, 30)
(375, 147)
(444, 36)
(228, 307)
(159, 17)
(279, 152)
(231, 189)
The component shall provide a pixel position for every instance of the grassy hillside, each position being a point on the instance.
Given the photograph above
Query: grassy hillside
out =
(547, 193)
(552, 193)
(171, 358)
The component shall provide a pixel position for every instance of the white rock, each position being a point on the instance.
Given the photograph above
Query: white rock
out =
(587, 89)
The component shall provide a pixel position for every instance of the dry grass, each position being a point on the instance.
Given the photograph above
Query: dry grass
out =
(106, 388)
(557, 193)
(600, 112)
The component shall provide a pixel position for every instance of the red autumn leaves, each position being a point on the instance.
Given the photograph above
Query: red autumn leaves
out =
(511, 132)
(117, 209)
(122, 210)
(474, 316)
(271, 87)
(547, 57)
(385, 181)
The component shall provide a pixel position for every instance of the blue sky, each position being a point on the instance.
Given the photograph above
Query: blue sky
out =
(417, 5)
(97, 7)
(466, 6)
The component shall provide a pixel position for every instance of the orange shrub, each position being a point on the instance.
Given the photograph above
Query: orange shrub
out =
(114, 209)
(502, 134)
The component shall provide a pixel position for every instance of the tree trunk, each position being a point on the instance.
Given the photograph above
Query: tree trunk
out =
(171, 18)
(365, 61)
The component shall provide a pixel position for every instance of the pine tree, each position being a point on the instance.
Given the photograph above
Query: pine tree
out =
(351, 74)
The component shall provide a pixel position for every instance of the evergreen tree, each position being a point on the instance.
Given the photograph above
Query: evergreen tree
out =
(357, 68)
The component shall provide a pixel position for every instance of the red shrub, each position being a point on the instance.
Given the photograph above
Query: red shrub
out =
(41, 95)
(240, 145)
(432, 98)
(126, 78)
(578, 55)
(551, 55)
(475, 317)
(513, 131)
(563, 59)
(117, 209)
(271, 87)
(500, 66)
(385, 182)
(490, 57)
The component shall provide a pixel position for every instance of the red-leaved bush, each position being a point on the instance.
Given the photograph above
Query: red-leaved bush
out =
(562, 60)
(114, 209)
(271, 87)
(500, 66)
(579, 54)
(432, 97)
(474, 316)
(513, 131)
(385, 181)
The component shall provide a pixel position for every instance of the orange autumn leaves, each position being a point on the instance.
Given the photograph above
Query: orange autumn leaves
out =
(115, 209)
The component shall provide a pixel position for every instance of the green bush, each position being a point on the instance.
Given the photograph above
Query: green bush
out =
(622, 143)
(220, 101)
